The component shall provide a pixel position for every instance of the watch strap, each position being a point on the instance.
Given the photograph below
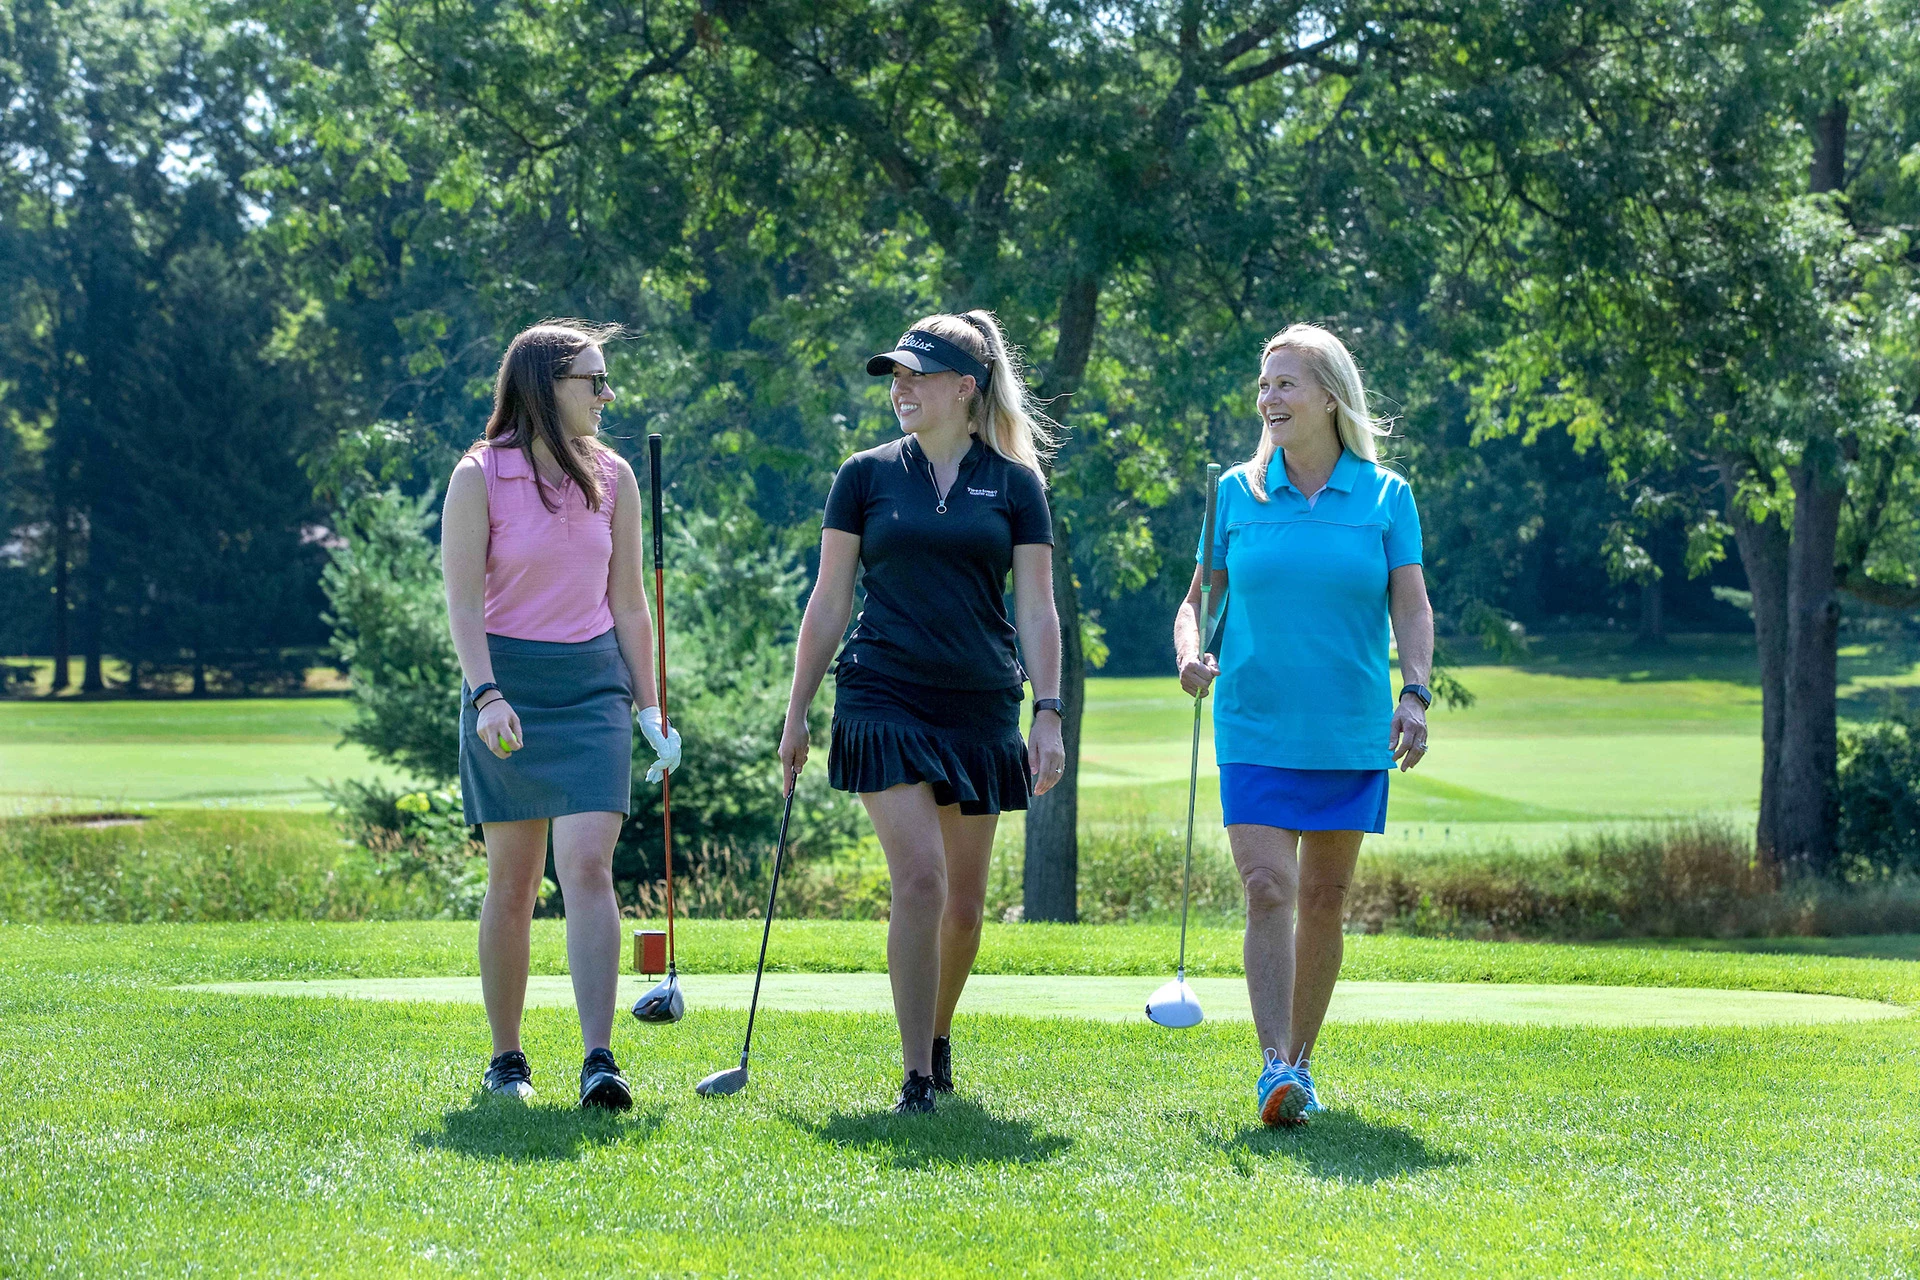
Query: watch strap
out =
(1421, 692)
(473, 699)
(1054, 705)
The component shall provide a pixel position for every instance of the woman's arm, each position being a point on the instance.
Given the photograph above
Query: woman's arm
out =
(1039, 625)
(1413, 633)
(463, 563)
(828, 609)
(1197, 670)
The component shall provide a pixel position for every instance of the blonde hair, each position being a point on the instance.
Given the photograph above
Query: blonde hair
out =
(1333, 367)
(1004, 414)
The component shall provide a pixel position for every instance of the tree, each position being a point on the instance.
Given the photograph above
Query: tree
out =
(1691, 288)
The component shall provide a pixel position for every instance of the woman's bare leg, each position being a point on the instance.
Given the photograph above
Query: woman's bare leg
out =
(1327, 859)
(969, 845)
(583, 859)
(1270, 875)
(908, 824)
(516, 859)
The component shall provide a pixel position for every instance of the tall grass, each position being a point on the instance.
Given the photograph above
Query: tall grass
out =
(1694, 879)
(191, 865)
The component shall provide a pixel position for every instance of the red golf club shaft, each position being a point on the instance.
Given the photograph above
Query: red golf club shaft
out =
(660, 651)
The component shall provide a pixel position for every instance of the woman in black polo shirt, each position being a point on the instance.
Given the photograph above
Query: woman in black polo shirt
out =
(927, 691)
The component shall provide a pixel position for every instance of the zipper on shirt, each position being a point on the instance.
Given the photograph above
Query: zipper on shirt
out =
(940, 503)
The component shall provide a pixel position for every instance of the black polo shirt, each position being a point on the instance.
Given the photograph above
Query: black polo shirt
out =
(936, 609)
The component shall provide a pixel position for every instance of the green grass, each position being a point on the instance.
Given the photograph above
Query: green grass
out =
(154, 1131)
(1587, 732)
(255, 752)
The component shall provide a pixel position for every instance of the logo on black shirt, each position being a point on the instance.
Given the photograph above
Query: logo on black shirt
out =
(983, 493)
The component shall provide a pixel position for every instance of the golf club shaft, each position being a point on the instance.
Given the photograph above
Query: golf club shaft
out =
(766, 929)
(660, 651)
(1199, 700)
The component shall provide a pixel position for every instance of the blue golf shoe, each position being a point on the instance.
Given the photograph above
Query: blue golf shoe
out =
(1283, 1096)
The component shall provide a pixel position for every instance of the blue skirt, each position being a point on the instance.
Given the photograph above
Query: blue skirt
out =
(575, 703)
(1304, 799)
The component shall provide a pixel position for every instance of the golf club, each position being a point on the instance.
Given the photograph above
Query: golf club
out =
(734, 1079)
(664, 1003)
(1175, 1004)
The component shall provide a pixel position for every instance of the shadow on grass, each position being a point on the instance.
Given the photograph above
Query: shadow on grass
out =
(960, 1132)
(1338, 1146)
(491, 1129)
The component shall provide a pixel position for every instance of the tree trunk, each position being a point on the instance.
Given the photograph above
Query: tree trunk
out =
(93, 679)
(1763, 553)
(62, 589)
(1653, 617)
(1051, 884)
(1051, 881)
(1808, 819)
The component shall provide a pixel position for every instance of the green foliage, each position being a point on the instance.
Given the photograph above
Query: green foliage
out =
(732, 615)
(1879, 796)
(420, 840)
(389, 619)
(191, 866)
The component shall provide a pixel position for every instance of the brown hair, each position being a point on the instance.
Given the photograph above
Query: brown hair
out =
(524, 405)
(1004, 413)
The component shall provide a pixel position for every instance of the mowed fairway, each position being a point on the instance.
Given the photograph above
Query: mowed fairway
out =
(152, 1130)
(1589, 731)
(255, 752)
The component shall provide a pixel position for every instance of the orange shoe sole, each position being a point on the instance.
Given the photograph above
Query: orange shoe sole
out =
(1285, 1108)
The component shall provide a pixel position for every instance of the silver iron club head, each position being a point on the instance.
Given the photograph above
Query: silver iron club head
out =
(722, 1083)
(662, 1004)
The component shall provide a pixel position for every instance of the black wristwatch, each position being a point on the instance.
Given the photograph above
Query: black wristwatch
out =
(1054, 705)
(473, 699)
(1421, 692)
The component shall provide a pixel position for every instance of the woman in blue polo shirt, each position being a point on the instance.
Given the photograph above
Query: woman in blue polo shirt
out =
(1316, 550)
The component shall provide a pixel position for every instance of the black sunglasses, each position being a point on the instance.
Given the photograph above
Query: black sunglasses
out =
(599, 380)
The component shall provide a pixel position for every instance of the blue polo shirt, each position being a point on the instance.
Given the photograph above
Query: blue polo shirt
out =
(1304, 676)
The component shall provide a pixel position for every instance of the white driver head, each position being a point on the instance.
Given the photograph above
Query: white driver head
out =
(1174, 1005)
(662, 1004)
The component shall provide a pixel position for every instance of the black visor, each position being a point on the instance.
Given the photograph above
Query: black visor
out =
(925, 352)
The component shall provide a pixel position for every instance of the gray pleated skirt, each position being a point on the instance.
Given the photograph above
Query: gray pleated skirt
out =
(575, 703)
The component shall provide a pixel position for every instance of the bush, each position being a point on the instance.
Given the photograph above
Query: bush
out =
(732, 604)
(419, 840)
(1879, 797)
(389, 620)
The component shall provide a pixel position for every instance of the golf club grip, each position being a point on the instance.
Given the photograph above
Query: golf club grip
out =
(653, 481)
(1206, 542)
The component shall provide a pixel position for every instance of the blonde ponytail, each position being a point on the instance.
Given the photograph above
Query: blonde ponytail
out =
(1332, 365)
(1004, 414)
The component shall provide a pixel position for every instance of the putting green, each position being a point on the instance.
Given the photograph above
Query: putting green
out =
(1124, 999)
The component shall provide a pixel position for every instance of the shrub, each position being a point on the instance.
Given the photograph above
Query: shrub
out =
(1879, 797)
(389, 620)
(419, 839)
(732, 606)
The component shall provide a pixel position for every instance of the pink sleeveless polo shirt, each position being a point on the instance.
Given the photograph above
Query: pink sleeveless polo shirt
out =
(546, 570)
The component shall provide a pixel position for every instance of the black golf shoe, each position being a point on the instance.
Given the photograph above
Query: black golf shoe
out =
(508, 1076)
(602, 1085)
(943, 1064)
(916, 1095)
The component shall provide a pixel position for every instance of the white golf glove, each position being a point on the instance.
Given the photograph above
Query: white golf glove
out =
(665, 744)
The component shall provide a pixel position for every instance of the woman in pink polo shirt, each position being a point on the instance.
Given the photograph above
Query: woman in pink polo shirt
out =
(541, 545)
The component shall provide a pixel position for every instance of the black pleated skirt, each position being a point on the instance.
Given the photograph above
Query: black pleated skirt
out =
(965, 743)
